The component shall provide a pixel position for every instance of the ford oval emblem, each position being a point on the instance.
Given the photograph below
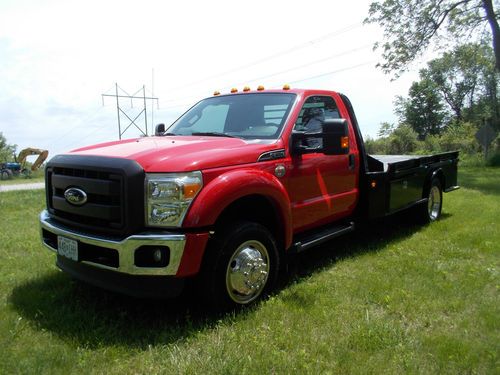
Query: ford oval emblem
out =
(75, 196)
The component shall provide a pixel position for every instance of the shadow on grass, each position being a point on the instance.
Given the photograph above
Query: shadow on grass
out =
(484, 180)
(369, 238)
(90, 317)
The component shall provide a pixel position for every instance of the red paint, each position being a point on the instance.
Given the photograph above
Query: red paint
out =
(316, 188)
(193, 254)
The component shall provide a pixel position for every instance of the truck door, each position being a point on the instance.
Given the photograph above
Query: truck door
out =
(321, 187)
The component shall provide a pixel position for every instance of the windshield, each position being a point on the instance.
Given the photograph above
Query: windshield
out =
(249, 116)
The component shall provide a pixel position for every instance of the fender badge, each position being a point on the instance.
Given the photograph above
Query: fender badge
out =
(280, 170)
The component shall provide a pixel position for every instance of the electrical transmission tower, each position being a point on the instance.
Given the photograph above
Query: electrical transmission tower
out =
(122, 94)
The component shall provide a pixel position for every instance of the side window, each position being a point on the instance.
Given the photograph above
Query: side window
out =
(315, 110)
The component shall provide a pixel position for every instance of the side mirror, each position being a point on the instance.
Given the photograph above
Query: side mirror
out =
(335, 137)
(159, 129)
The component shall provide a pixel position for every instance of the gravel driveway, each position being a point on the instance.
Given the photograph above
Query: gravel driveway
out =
(29, 186)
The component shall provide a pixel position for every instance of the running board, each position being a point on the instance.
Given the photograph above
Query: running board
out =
(320, 237)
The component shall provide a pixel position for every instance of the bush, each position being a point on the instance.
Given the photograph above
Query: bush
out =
(378, 146)
(460, 136)
(431, 145)
(403, 140)
(494, 161)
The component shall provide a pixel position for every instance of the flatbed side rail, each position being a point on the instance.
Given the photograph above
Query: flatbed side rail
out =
(398, 181)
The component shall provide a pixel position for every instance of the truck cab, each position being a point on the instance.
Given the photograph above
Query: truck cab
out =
(226, 193)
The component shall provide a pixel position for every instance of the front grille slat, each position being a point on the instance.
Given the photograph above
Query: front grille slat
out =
(112, 186)
(91, 186)
(106, 212)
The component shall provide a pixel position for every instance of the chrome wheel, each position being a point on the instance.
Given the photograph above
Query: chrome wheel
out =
(434, 202)
(247, 272)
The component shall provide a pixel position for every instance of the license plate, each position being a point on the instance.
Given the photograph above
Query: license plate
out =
(67, 248)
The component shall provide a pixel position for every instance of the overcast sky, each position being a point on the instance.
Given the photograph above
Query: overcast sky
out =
(58, 56)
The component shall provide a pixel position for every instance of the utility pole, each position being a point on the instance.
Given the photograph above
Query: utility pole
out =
(122, 94)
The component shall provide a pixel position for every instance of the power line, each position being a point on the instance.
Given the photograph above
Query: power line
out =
(335, 71)
(73, 128)
(282, 71)
(278, 54)
(296, 81)
(307, 64)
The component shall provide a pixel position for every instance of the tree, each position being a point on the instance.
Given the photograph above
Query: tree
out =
(403, 140)
(385, 130)
(423, 109)
(6, 150)
(410, 26)
(459, 75)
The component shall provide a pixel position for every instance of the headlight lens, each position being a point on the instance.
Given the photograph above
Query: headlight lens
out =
(168, 197)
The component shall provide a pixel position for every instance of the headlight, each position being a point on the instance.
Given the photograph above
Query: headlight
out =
(168, 196)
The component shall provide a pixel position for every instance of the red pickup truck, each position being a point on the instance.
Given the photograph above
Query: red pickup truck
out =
(226, 193)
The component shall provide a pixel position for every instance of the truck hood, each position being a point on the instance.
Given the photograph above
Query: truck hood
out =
(183, 153)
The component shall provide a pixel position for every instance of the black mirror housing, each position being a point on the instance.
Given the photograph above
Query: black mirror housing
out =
(159, 129)
(335, 137)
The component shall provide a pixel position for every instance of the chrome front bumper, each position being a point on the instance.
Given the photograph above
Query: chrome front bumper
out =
(125, 248)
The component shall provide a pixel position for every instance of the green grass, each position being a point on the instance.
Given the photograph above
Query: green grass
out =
(394, 298)
(36, 176)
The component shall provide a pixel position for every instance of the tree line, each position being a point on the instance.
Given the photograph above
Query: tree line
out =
(457, 92)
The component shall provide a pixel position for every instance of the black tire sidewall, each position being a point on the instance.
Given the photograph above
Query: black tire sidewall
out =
(222, 248)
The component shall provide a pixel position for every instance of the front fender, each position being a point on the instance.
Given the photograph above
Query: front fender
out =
(230, 186)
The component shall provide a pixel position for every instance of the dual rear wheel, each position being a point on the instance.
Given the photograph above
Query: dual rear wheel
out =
(431, 211)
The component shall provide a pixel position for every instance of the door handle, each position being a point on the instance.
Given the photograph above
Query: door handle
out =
(352, 161)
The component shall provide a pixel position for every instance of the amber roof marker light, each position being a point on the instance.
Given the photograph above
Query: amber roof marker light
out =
(286, 87)
(246, 89)
(234, 90)
(260, 88)
(216, 93)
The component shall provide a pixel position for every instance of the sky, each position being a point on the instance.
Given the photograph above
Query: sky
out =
(57, 58)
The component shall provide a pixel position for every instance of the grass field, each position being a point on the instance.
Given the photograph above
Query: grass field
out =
(36, 176)
(394, 298)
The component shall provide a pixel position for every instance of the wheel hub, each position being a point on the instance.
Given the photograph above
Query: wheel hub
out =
(434, 203)
(247, 272)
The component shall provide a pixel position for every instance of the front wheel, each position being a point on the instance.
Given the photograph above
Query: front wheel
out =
(244, 265)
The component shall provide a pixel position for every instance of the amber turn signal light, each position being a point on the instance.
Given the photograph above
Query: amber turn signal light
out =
(344, 142)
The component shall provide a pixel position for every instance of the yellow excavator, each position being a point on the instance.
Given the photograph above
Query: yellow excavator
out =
(23, 155)
(7, 170)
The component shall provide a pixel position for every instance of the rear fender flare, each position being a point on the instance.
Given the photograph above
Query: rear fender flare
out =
(437, 173)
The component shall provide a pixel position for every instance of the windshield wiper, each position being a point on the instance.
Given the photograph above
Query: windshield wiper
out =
(214, 134)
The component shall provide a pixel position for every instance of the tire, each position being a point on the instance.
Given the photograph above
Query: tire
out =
(242, 266)
(26, 172)
(5, 175)
(431, 211)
